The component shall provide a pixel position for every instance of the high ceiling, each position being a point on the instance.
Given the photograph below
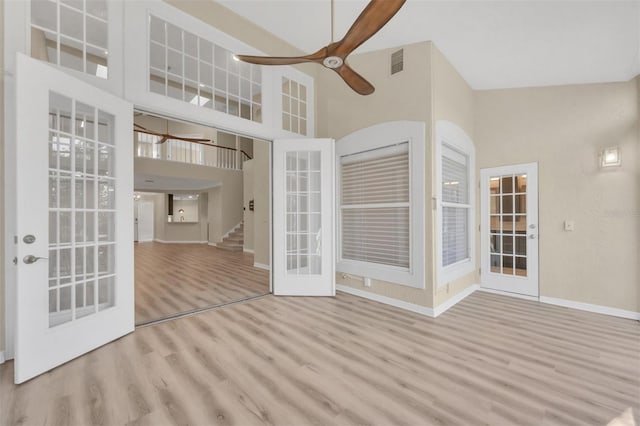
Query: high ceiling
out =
(493, 44)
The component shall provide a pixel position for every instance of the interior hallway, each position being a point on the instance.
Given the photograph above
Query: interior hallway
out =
(173, 278)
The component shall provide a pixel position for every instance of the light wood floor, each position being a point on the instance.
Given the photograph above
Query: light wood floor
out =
(173, 278)
(346, 360)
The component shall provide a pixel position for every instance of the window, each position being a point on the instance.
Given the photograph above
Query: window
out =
(72, 34)
(192, 69)
(294, 106)
(381, 203)
(455, 216)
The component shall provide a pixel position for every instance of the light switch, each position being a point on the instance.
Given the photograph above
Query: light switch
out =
(569, 225)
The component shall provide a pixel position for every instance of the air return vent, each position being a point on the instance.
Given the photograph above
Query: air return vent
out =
(397, 61)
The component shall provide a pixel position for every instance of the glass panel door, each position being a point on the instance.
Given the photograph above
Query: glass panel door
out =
(509, 229)
(74, 186)
(303, 261)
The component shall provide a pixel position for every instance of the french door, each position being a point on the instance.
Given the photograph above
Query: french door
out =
(303, 217)
(74, 182)
(509, 228)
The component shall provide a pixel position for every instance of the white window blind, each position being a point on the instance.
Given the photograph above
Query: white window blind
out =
(455, 206)
(375, 206)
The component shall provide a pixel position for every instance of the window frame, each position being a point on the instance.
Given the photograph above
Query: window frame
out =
(380, 136)
(454, 138)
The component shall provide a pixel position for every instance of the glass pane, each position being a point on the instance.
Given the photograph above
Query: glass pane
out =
(106, 287)
(174, 37)
(106, 259)
(106, 157)
(71, 23)
(507, 203)
(105, 127)
(507, 244)
(521, 203)
(521, 183)
(106, 226)
(97, 8)
(206, 51)
(495, 263)
(494, 185)
(507, 184)
(507, 265)
(495, 205)
(521, 245)
(157, 56)
(157, 30)
(507, 224)
(96, 32)
(495, 243)
(106, 194)
(44, 14)
(521, 266)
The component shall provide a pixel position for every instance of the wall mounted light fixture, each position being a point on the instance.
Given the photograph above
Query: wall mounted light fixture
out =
(610, 157)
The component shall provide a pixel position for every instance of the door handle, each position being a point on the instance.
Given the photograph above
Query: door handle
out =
(532, 237)
(29, 259)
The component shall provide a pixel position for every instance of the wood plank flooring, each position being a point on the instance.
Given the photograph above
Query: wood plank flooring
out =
(174, 278)
(343, 361)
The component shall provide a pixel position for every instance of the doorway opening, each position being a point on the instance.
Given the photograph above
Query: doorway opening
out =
(201, 217)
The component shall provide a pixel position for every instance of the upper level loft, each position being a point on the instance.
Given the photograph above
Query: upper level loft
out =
(171, 140)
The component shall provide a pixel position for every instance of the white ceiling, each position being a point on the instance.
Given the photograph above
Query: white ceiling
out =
(493, 44)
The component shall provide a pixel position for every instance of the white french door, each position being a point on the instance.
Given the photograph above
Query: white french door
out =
(303, 217)
(509, 228)
(74, 181)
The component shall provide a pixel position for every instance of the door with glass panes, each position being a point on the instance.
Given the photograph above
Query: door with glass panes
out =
(74, 235)
(303, 224)
(509, 228)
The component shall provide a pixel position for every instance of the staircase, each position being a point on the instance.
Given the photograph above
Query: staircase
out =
(234, 241)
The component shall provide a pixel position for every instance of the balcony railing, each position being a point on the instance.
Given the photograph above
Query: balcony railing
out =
(147, 146)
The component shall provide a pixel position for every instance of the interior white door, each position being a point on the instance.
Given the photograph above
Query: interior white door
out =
(509, 228)
(303, 217)
(145, 221)
(74, 201)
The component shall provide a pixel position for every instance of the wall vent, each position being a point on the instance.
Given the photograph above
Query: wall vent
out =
(397, 61)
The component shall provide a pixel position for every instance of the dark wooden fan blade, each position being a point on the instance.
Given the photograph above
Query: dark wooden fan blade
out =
(273, 60)
(371, 20)
(355, 80)
(139, 126)
(148, 132)
(197, 140)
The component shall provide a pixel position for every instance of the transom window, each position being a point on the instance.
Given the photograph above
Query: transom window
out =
(189, 68)
(294, 106)
(72, 34)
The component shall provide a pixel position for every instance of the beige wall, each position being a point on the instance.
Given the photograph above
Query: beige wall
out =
(403, 96)
(2, 260)
(453, 100)
(262, 203)
(563, 129)
(248, 183)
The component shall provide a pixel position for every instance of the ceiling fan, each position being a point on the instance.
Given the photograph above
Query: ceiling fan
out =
(333, 56)
(166, 136)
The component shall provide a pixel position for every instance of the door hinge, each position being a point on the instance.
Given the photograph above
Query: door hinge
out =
(479, 271)
(15, 239)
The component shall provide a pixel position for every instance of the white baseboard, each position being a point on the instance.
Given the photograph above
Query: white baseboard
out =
(422, 310)
(180, 242)
(506, 293)
(443, 307)
(598, 309)
(248, 250)
(261, 266)
(2, 359)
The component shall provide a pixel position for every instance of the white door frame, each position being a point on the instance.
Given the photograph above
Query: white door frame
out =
(314, 264)
(528, 286)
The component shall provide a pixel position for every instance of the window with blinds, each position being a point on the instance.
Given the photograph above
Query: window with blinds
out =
(455, 206)
(375, 206)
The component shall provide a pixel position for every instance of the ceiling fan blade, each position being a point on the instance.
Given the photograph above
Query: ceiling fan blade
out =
(148, 132)
(355, 80)
(163, 140)
(371, 20)
(273, 60)
(139, 126)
